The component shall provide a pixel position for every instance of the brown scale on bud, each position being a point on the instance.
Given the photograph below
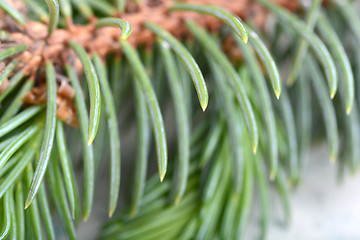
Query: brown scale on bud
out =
(65, 90)
(64, 101)
(4, 85)
(37, 95)
(30, 67)
(2, 66)
(36, 30)
(66, 111)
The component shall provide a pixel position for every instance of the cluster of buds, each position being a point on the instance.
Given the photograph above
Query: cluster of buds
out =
(55, 48)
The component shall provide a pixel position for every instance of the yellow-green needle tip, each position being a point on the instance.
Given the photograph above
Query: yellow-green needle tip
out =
(290, 81)
(162, 176)
(86, 217)
(111, 212)
(177, 200)
(245, 39)
(332, 159)
(277, 94)
(348, 110)
(204, 106)
(272, 175)
(254, 148)
(332, 94)
(133, 213)
(90, 141)
(27, 204)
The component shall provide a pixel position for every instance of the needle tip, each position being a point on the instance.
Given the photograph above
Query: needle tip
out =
(254, 148)
(27, 204)
(162, 176)
(290, 81)
(111, 212)
(245, 39)
(332, 94)
(333, 158)
(272, 175)
(348, 110)
(133, 213)
(204, 106)
(177, 200)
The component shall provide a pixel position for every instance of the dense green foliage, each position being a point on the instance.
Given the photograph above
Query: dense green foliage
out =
(252, 131)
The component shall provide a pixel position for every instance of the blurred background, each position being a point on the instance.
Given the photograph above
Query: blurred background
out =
(323, 207)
